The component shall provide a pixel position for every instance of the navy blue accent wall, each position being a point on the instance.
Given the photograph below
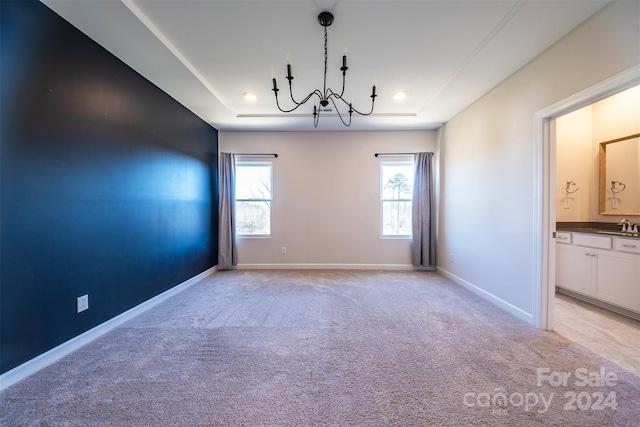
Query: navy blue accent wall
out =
(107, 185)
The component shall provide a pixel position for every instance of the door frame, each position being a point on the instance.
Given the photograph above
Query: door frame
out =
(544, 225)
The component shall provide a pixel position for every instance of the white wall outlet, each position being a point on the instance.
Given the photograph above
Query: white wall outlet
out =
(82, 303)
(451, 257)
(283, 251)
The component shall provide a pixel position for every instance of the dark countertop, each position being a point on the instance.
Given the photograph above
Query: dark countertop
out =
(598, 231)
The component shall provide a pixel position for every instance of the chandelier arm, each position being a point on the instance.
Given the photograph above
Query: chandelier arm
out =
(316, 92)
(286, 111)
(338, 111)
(335, 95)
(344, 78)
(365, 114)
(291, 94)
(298, 104)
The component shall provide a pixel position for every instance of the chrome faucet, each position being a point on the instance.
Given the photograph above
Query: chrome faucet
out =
(629, 227)
(626, 225)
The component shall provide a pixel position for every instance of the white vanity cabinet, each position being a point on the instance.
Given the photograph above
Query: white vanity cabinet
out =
(603, 268)
(574, 269)
(618, 279)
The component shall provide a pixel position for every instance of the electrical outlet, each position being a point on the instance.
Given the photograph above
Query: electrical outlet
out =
(451, 257)
(82, 303)
(283, 250)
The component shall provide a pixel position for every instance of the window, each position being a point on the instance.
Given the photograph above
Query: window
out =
(396, 190)
(253, 198)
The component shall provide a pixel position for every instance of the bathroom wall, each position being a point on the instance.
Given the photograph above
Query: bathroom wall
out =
(576, 160)
(578, 138)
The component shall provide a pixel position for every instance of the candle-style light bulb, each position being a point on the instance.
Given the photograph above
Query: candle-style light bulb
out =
(373, 93)
(344, 57)
(273, 78)
(288, 59)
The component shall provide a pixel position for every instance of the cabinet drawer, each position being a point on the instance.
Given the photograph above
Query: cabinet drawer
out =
(562, 237)
(590, 240)
(626, 245)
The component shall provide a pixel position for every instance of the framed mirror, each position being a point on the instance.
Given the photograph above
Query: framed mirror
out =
(619, 161)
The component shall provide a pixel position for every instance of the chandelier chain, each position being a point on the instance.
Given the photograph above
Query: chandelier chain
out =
(325, 64)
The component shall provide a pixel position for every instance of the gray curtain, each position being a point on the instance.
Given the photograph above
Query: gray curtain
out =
(227, 253)
(423, 244)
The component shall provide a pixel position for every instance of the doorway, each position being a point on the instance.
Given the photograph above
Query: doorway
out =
(545, 177)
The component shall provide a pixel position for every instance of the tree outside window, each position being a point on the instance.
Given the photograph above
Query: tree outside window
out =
(396, 195)
(253, 198)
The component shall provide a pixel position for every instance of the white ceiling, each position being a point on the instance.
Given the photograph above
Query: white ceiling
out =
(445, 54)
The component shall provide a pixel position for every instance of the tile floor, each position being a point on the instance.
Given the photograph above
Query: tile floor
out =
(610, 335)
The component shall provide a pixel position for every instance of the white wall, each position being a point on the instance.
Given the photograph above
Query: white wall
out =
(326, 197)
(487, 157)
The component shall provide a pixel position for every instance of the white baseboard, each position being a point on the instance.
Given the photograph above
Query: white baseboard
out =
(321, 266)
(45, 359)
(509, 308)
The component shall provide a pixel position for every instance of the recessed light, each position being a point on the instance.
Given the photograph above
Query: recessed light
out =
(400, 95)
(250, 96)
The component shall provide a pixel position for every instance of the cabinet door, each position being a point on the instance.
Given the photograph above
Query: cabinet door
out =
(618, 279)
(573, 268)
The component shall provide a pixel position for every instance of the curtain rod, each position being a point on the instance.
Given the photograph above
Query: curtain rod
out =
(256, 154)
(394, 154)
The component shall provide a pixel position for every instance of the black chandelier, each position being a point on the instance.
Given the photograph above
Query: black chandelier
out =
(325, 19)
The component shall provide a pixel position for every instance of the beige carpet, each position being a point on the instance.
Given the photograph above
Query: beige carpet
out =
(326, 348)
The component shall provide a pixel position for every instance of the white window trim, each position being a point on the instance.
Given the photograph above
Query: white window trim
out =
(407, 162)
(242, 163)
